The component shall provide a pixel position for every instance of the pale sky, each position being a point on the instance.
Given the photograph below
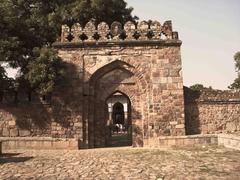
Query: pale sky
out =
(210, 31)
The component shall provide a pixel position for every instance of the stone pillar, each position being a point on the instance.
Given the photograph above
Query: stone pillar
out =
(125, 106)
(110, 110)
(110, 121)
(126, 118)
(85, 119)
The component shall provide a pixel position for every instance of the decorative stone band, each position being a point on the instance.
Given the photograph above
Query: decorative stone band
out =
(129, 31)
(125, 43)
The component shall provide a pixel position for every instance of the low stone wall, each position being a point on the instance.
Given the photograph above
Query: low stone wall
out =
(229, 141)
(180, 141)
(211, 111)
(39, 143)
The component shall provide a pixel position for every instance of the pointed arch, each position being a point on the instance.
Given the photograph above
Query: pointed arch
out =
(117, 64)
(120, 92)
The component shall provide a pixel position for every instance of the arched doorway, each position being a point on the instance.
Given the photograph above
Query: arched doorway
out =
(119, 122)
(105, 85)
(118, 113)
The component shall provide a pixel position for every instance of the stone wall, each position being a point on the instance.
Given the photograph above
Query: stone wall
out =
(212, 111)
(182, 141)
(142, 62)
(229, 141)
(39, 143)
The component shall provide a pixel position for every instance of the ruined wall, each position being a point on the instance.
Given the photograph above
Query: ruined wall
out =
(134, 60)
(60, 117)
(212, 111)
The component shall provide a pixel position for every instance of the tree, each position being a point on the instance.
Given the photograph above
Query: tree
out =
(102, 10)
(199, 87)
(45, 71)
(2, 81)
(5, 82)
(236, 83)
(2, 73)
(28, 28)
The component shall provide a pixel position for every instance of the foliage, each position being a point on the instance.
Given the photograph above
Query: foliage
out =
(2, 79)
(237, 61)
(45, 71)
(236, 83)
(2, 73)
(101, 10)
(28, 28)
(199, 87)
(5, 82)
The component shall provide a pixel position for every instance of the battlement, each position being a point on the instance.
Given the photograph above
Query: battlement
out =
(142, 31)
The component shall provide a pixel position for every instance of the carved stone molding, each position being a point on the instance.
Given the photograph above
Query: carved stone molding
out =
(130, 28)
(76, 32)
(65, 33)
(143, 29)
(90, 30)
(103, 31)
(116, 29)
(156, 29)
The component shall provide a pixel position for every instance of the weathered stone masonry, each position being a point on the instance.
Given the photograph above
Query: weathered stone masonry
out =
(212, 111)
(141, 65)
(146, 70)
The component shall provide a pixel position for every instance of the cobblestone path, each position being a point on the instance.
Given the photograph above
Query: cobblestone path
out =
(122, 163)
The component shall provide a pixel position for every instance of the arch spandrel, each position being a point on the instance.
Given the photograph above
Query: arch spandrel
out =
(106, 68)
(94, 63)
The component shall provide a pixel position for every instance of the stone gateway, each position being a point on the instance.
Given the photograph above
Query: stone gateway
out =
(130, 77)
(125, 86)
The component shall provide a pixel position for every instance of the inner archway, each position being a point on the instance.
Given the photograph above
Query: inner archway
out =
(119, 120)
(118, 113)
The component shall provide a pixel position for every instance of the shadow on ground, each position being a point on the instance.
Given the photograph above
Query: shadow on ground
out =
(13, 158)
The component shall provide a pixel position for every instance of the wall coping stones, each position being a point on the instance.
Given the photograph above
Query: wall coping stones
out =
(129, 34)
(208, 96)
(218, 102)
(189, 136)
(129, 31)
(35, 139)
(93, 44)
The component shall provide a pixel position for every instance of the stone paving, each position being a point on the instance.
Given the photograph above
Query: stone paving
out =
(122, 163)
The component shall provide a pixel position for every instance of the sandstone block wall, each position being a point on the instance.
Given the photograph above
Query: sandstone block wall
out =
(229, 141)
(212, 111)
(130, 59)
(39, 143)
(182, 141)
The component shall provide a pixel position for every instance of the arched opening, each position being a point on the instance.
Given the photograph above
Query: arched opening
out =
(102, 116)
(118, 113)
(119, 120)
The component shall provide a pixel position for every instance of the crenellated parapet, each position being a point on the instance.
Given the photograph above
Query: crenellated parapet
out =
(130, 31)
